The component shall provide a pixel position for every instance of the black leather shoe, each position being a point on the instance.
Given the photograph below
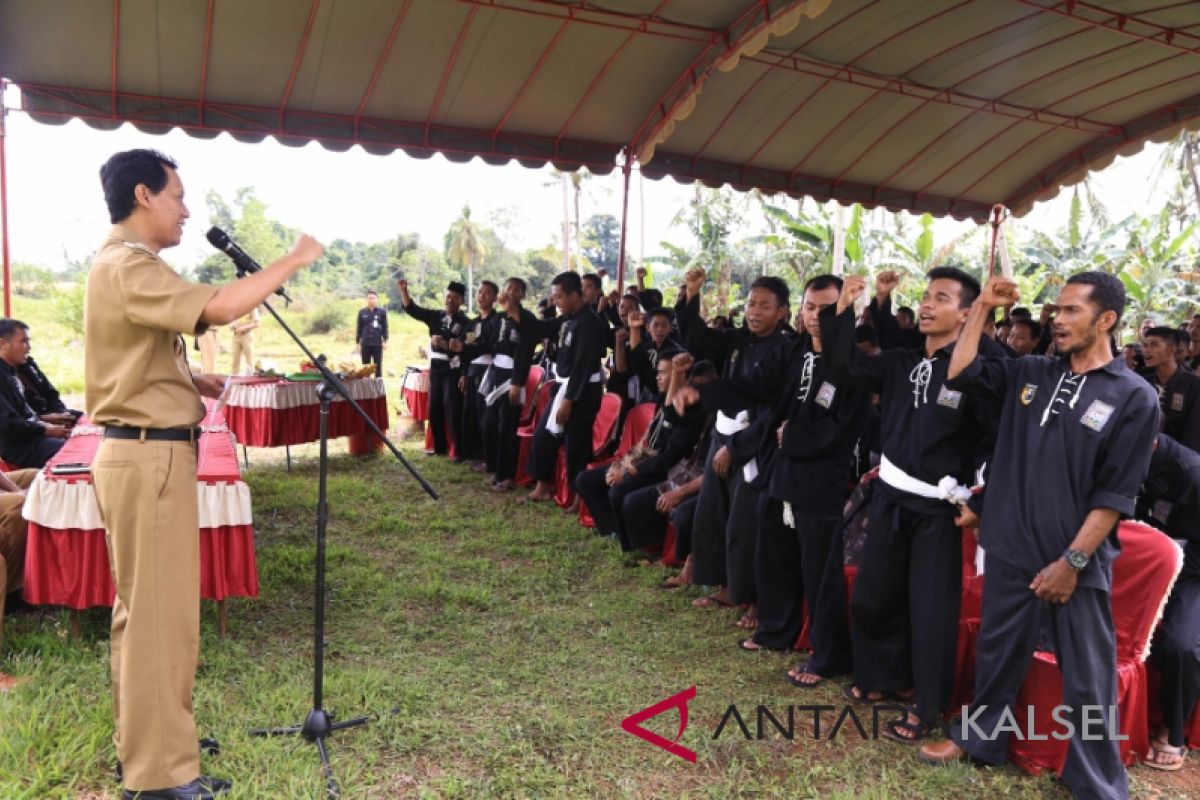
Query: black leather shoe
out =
(203, 788)
(207, 746)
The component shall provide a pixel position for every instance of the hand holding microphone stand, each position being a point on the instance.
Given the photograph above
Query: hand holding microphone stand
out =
(319, 723)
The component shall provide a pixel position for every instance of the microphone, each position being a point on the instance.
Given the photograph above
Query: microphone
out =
(220, 240)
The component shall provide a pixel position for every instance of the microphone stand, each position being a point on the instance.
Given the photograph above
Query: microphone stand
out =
(319, 723)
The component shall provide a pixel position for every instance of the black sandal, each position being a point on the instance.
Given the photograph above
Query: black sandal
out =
(805, 669)
(864, 698)
(916, 730)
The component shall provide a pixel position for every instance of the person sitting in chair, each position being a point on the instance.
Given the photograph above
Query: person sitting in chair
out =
(26, 440)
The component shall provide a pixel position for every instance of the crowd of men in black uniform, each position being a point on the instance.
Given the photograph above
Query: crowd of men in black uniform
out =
(1038, 432)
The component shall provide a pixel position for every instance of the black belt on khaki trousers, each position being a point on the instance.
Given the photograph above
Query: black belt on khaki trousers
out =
(153, 434)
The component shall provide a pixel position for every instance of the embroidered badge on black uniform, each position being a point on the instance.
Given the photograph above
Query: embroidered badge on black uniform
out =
(1028, 393)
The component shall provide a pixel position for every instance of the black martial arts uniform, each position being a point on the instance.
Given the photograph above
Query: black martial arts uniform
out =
(1180, 402)
(40, 393)
(579, 349)
(1170, 500)
(510, 365)
(482, 335)
(445, 367)
(1071, 443)
(647, 526)
(23, 439)
(724, 533)
(371, 334)
(799, 557)
(904, 609)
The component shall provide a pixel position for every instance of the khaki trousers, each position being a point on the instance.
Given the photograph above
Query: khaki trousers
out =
(243, 345)
(208, 351)
(147, 497)
(13, 529)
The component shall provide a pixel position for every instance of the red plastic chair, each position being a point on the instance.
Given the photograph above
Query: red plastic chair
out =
(532, 381)
(637, 421)
(603, 428)
(541, 404)
(1142, 577)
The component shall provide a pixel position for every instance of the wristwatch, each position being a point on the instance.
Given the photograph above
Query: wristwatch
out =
(1076, 559)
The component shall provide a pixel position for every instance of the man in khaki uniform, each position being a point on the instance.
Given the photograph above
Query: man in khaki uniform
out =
(139, 387)
(206, 343)
(243, 341)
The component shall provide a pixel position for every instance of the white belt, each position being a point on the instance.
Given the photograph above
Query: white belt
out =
(502, 361)
(436, 356)
(482, 361)
(552, 420)
(727, 426)
(500, 391)
(947, 489)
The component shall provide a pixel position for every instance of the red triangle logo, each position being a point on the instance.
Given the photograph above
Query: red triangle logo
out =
(633, 724)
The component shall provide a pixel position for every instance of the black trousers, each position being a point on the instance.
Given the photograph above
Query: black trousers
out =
(609, 505)
(1176, 654)
(1081, 631)
(32, 453)
(904, 611)
(712, 516)
(797, 566)
(741, 542)
(373, 352)
(683, 517)
(445, 406)
(471, 446)
(576, 437)
(499, 431)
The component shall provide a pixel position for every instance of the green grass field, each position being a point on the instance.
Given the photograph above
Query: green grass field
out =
(498, 645)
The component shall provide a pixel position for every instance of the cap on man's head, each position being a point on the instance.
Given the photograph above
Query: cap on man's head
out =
(455, 286)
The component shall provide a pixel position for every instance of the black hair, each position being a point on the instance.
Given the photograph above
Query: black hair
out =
(1020, 312)
(865, 333)
(569, 282)
(519, 282)
(372, 291)
(593, 279)
(906, 310)
(1182, 337)
(122, 173)
(492, 284)
(703, 369)
(969, 286)
(1035, 328)
(658, 312)
(1162, 332)
(822, 282)
(775, 286)
(653, 297)
(1107, 292)
(10, 326)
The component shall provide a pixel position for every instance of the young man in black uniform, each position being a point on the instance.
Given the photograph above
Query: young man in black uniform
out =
(579, 333)
(815, 421)
(26, 440)
(723, 544)
(445, 398)
(650, 342)
(904, 609)
(1170, 500)
(504, 388)
(371, 333)
(477, 350)
(1178, 389)
(1076, 432)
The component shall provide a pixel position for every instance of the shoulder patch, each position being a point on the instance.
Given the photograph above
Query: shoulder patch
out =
(1028, 393)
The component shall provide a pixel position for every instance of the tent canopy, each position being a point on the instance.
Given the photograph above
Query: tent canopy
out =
(946, 106)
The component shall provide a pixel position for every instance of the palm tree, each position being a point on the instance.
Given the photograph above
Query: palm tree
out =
(466, 248)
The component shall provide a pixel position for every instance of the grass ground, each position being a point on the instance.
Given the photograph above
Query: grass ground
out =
(498, 645)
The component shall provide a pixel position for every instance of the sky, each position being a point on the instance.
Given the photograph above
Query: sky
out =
(56, 208)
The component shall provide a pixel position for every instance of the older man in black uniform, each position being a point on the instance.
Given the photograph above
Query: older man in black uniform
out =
(445, 366)
(1076, 432)
(1170, 500)
(580, 334)
(371, 333)
(26, 438)
(904, 609)
(723, 545)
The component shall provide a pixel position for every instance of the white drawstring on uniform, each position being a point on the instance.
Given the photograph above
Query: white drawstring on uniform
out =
(920, 377)
(1073, 388)
(806, 376)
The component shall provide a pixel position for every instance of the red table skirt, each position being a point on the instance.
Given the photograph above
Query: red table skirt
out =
(70, 567)
(274, 427)
(418, 404)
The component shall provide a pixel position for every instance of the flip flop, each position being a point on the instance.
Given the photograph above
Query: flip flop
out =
(917, 730)
(794, 680)
(745, 646)
(1159, 747)
(711, 601)
(864, 698)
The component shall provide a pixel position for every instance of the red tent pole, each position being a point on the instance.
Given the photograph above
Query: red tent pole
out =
(627, 171)
(4, 208)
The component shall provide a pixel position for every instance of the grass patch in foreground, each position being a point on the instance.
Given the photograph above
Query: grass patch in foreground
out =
(499, 644)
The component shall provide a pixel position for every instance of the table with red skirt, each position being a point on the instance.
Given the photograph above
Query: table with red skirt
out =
(269, 412)
(66, 558)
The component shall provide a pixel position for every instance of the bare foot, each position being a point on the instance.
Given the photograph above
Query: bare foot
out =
(504, 486)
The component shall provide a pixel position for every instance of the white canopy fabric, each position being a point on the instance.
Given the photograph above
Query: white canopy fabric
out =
(946, 106)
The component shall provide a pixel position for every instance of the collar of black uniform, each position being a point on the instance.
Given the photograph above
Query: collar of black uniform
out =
(1114, 367)
(8, 368)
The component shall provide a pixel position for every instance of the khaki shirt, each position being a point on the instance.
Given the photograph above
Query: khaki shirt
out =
(134, 362)
(246, 319)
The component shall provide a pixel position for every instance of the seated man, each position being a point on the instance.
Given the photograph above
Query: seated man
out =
(12, 542)
(25, 439)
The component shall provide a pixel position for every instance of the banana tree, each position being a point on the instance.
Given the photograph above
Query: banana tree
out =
(1155, 260)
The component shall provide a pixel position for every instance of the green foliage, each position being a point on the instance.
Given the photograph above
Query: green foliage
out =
(32, 281)
(325, 319)
(70, 305)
